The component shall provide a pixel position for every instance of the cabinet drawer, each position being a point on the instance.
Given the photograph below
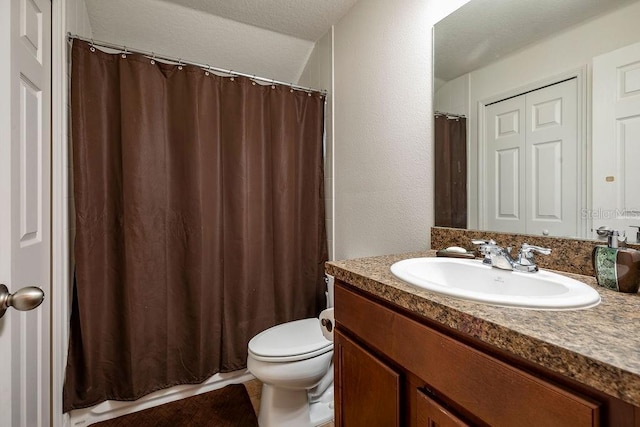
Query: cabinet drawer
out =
(494, 392)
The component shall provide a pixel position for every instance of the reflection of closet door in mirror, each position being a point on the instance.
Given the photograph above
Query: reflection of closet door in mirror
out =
(503, 168)
(530, 164)
(616, 140)
(552, 181)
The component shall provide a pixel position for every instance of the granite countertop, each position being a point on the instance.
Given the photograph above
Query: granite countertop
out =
(599, 347)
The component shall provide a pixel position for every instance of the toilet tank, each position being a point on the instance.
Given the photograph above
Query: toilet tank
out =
(329, 293)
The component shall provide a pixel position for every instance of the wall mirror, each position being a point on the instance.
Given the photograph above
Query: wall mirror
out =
(538, 117)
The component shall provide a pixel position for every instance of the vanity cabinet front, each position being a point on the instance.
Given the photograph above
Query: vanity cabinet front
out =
(394, 369)
(365, 382)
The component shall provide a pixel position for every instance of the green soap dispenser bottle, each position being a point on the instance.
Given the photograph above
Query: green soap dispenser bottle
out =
(617, 268)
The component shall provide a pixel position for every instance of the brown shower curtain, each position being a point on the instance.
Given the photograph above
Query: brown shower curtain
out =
(450, 171)
(199, 221)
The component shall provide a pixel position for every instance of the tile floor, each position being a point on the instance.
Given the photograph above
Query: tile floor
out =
(254, 388)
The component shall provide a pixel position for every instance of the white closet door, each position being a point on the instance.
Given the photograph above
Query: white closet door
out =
(551, 172)
(504, 166)
(616, 140)
(530, 160)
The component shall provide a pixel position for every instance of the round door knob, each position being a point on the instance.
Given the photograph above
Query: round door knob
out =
(545, 232)
(24, 299)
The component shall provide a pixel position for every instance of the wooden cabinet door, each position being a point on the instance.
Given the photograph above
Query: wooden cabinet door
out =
(432, 414)
(367, 390)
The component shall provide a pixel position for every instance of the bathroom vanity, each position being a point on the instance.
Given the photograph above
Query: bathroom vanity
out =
(405, 356)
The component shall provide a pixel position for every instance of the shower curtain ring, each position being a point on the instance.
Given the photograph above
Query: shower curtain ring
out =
(180, 64)
(232, 75)
(208, 70)
(93, 46)
(273, 84)
(124, 53)
(291, 87)
(153, 58)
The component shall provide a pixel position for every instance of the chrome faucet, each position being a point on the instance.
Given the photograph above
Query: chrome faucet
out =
(485, 247)
(499, 257)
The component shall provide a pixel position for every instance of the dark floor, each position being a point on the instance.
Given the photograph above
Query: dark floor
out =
(227, 407)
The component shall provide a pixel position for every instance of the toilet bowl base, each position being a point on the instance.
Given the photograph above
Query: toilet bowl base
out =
(321, 410)
(280, 407)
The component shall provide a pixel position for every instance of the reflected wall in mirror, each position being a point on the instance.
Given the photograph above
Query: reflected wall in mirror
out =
(551, 95)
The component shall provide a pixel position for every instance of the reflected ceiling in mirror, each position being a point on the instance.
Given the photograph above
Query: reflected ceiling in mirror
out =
(483, 31)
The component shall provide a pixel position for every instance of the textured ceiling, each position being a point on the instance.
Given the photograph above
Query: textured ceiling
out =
(304, 19)
(268, 38)
(483, 31)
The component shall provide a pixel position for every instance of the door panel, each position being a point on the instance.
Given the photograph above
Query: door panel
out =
(504, 161)
(547, 181)
(25, 53)
(629, 141)
(616, 140)
(30, 147)
(508, 179)
(552, 150)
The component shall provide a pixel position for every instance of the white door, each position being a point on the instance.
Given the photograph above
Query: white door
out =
(552, 151)
(504, 166)
(616, 140)
(530, 160)
(25, 218)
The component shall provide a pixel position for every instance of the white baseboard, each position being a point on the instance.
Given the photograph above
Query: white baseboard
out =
(112, 409)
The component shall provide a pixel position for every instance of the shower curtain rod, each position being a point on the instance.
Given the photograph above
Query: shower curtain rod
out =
(452, 115)
(205, 67)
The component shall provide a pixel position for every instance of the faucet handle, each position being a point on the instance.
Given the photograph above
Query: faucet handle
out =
(526, 258)
(482, 242)
(603, 231)
(527, 249)
(485, 247)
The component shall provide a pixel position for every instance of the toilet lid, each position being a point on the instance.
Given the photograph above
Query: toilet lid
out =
(290, 339)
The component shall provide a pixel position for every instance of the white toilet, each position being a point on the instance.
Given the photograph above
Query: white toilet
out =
(294, 362)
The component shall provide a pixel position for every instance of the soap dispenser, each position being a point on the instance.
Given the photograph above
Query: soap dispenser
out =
(617, 268)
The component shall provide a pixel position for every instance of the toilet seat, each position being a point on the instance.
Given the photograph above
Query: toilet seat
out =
(291, 341)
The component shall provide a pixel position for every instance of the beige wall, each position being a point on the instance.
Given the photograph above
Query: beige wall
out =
(77, 19)
(383, 164)
(453, 97)
(176, 30)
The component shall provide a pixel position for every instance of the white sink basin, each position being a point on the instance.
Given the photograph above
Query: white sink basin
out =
(474, 281)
